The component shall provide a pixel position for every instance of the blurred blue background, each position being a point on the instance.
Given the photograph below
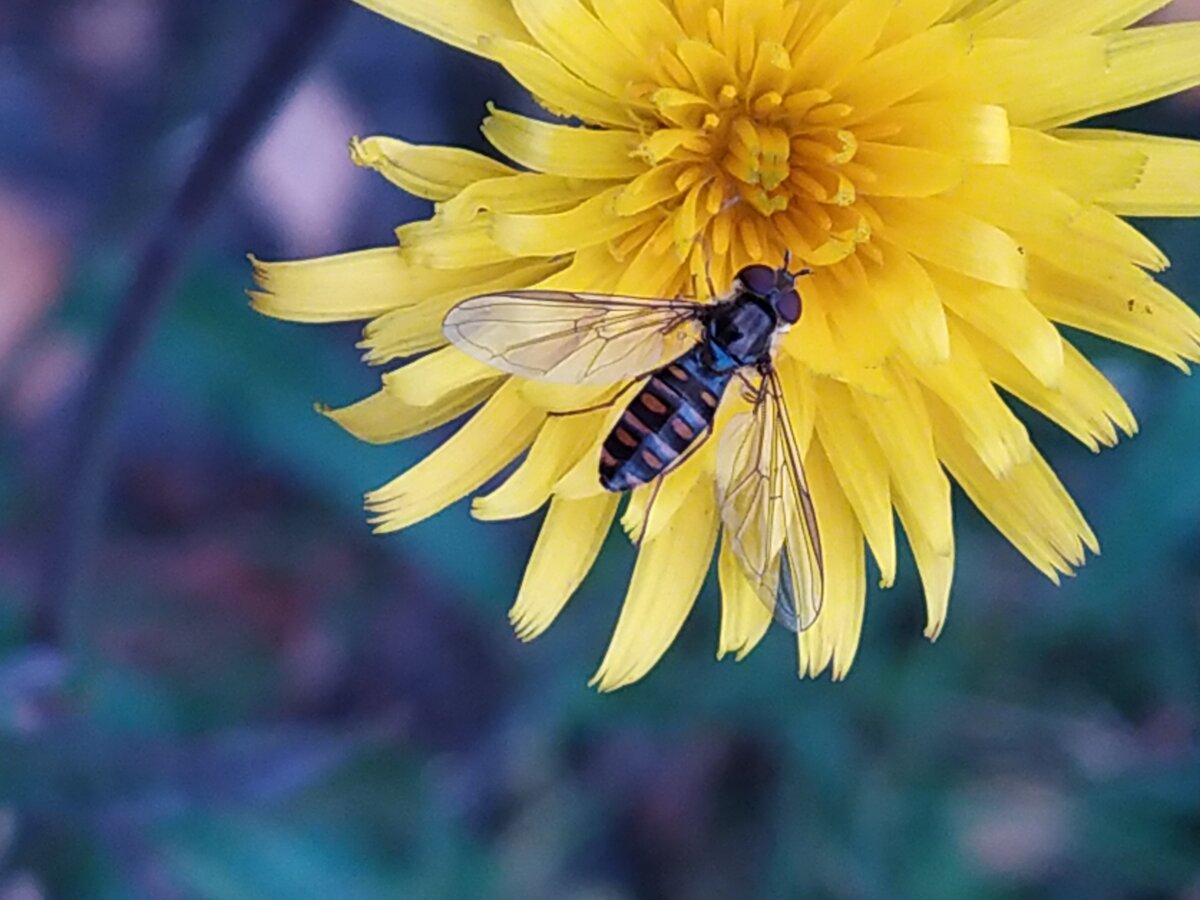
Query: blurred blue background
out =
(252, 697)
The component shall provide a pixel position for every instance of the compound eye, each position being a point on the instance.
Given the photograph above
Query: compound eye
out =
(759, 280)
(787, 306)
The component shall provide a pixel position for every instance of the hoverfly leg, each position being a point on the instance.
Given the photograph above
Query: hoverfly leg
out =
(683, 457)
(751, 392)
(607, 404)
(649, 509)
(712, 288)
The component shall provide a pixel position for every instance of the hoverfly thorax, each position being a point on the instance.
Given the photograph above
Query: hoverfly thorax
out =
(763, 305)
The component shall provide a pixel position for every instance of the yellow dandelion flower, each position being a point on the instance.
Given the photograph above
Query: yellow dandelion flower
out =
(917, 155)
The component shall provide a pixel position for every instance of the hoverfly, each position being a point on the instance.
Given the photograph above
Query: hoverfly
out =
(687, 352)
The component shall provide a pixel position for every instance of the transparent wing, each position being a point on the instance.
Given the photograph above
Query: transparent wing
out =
(573, 338)
(768, 511)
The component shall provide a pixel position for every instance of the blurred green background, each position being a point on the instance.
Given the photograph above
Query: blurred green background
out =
(252, 697)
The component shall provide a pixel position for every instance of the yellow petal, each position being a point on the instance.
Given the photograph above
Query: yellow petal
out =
(433, 378)
(563, 149)
(833, 637)
(1029, 506)
(670, 498)
(1120, 239)
(1140, 65)
(854, 324)
(1046, 219)
(861, 469)
(652, 187)
(666, 579)
(842, 44)
(710, 69)
(1083, 401)
(558, 447)
(900, 71)
(583, 480)
(1127, 307)
(571, 34)
(900, 423)
(643, 28)
(907, 303)
(460, 23)
(935, 231)
(1032, 78)
(744, 617)
(814, 343)
(1008, 318)
(921, 491)
(1039, 18)
(897, 171)
(382, 417)
(414, 329)
(935, 567)
(799, 395)
(591, 269)
(1169, 183)
(566, 548)
(404, 332)
(340, 288)
(432, 172)
(963, 8)
(655, 268)
(574, 399)
(1081, 169)
(592, 222)
(772, 69)
(910, 17)
(1049, 81)
(664, 142)
(489, 440)
(972, 132)
(441, 243)
(556, 88)
(524, 192)
(962, 384)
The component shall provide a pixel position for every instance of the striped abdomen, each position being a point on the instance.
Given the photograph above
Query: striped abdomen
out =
(671, 413)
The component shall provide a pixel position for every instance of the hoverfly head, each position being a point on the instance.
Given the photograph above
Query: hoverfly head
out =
(776, 286)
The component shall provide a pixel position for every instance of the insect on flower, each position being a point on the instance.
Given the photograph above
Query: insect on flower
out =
(681, 354)
(936, 164)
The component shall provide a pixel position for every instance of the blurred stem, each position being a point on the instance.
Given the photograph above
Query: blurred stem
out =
(82, 485)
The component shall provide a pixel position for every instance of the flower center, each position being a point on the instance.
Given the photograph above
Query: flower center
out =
(758, 163)
(758, 157)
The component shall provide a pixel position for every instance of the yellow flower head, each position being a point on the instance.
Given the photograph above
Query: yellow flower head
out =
(914, 153)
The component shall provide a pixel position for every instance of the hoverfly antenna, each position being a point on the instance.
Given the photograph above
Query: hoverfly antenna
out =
(787, 266)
